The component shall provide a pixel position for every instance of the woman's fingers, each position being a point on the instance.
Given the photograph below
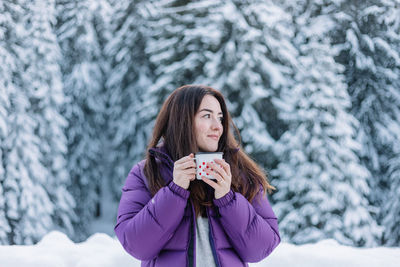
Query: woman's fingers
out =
(184, 171)
(189, 172)
(224, 165)
(221, 171)
(184, 159)
(217, 176)
(210, 182)
(186, 162)
(217, 169)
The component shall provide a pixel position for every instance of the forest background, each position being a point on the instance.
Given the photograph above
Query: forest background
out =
(313, 86)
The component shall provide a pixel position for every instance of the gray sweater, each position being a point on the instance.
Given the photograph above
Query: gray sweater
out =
(204, 255)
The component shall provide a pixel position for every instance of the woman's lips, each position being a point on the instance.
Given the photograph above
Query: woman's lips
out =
(215, 137)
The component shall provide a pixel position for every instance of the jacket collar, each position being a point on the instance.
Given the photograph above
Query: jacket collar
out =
(161, 154)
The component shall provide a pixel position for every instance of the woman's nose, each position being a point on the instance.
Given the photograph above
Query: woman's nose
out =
(216, 123)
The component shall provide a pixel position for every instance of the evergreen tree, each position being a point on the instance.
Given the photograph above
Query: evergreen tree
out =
(322, 185)
(239, 47)
(35, 176)
(7, 88)
(391, 212)
(130, 109)
(368, 35)
(82, 30)
(392, 206)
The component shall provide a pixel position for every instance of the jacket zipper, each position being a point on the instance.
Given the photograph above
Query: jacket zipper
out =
(192, 239)
(211, 237)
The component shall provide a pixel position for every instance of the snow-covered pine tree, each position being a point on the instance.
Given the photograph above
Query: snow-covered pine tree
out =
(368, 34)
(35, 175)
(391, 211)
(82, 28)
(322, 187)
(129, 107)
(7, 88)
(239, 47)
(392, 206)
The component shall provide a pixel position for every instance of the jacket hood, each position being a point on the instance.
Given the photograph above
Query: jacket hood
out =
(161, 154)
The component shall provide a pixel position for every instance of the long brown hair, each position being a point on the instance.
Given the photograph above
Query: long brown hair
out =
(174, 127)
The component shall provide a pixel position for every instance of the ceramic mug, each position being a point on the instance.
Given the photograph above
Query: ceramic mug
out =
(202, 158)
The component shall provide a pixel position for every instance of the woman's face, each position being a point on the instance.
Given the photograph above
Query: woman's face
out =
(208, 124)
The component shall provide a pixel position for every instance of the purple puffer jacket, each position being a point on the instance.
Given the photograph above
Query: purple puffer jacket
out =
(160, 230)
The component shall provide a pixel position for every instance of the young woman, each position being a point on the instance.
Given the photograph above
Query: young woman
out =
(166, 217)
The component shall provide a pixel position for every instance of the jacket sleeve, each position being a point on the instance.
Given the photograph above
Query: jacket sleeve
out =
(251, 227)
(145, 224)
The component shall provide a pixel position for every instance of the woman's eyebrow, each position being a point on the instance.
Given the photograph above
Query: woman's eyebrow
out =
(209, 110)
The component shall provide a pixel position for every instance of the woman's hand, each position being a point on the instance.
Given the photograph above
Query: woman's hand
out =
(222, 172)
(184, 171)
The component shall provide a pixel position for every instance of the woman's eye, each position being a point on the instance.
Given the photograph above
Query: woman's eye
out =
(209, 116)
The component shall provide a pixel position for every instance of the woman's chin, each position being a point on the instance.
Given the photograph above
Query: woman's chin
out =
(208, 149)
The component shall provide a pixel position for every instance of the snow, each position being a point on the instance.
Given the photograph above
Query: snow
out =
(102, 250)
(256, 52)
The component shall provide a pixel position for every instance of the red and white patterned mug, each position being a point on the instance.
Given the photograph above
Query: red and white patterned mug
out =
(202, 158)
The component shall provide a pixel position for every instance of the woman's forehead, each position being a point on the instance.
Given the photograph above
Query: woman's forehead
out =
(210, 104)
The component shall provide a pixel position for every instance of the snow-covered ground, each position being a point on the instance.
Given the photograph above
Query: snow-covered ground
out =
(101, 250)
